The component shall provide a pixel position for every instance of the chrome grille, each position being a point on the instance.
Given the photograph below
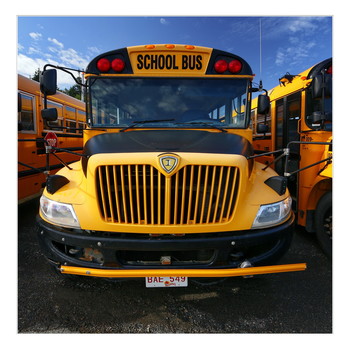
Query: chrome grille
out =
(140, 194)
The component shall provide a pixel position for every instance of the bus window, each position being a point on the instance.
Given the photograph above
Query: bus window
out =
(72, 125)
(120, 102)
(70, 112)
(279, 123)
(267, 121)
(81, 116)
(70, 119)
(81, 127)
(313, 105)
(58, 124)
(26, 114)
(293, 115)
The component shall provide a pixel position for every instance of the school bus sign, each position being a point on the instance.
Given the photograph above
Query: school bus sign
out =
(194, 61)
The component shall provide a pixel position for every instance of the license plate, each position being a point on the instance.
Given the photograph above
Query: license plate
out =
(152, 282)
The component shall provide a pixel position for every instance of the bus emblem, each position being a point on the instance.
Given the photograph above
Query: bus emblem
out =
(168, 162)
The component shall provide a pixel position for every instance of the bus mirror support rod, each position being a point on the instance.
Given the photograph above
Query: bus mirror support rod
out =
(286, 153)
(286, 174)
(67, 70)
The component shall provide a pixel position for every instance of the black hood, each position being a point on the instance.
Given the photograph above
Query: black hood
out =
(167, 141)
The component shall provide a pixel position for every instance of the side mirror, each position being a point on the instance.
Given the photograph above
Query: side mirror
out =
(48, 82)
(263, 104)
(322, 82)
(49, 114)
(262, 128)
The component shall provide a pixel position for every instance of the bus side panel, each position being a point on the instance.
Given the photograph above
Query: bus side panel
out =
(31, 149)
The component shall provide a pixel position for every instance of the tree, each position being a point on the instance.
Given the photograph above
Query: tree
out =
(75, 90)
(36, 75)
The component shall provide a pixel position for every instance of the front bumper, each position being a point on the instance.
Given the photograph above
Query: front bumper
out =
(116, 255)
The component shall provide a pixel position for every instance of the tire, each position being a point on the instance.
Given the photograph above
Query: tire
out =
(323, 223)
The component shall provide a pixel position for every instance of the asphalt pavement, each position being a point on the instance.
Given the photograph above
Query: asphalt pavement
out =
(294, 302)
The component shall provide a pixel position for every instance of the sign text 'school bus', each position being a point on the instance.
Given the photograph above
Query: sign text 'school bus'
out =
(166, 188)
(300, 121)
(32, 131)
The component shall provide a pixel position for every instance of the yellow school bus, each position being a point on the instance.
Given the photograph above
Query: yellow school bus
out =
(301, 117)
(167, 188)
(32, 131)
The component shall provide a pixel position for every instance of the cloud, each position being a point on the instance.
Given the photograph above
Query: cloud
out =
(301, 38)
(294, 55)
(33, 50)
(35, 36)
(72, 57)
(164, 21)
(56, 42)
(37, 57)
(27, 65)
(94, 50)
(304, 24)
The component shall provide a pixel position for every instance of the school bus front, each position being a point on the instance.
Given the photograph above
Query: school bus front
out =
(166, 186)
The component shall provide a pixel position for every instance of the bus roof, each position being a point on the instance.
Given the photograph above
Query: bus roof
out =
(297, 82)
(33, 87)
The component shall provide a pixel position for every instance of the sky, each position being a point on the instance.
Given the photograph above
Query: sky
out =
(288, 44)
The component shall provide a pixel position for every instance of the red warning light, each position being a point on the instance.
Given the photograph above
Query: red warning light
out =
(103, 65)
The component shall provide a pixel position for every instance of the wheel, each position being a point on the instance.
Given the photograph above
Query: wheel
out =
(323, 223)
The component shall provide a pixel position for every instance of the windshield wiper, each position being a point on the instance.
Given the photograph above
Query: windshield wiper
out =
(138, 122)
(204, 123)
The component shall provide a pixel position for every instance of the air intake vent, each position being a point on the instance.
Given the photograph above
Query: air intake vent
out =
(140, 194)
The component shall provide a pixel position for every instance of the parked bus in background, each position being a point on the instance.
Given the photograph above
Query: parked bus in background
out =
(301, 111)
(32, 130)
(166, 188)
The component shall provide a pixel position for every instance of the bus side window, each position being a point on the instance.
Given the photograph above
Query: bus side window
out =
(70, 121)
(81, 127)
(81, 120)
(26, 115)
(261, 119)
(58, 124)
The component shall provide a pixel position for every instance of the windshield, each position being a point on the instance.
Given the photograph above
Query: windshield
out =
(168, 102)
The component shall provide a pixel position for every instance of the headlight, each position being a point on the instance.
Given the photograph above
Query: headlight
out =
(272, 214)
(58, 213)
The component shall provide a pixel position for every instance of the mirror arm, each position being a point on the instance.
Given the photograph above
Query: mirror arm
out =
(67, 70)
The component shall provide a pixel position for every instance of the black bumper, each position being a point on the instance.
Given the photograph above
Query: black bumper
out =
(106, 250)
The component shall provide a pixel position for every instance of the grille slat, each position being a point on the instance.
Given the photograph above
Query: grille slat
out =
(140, 194)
